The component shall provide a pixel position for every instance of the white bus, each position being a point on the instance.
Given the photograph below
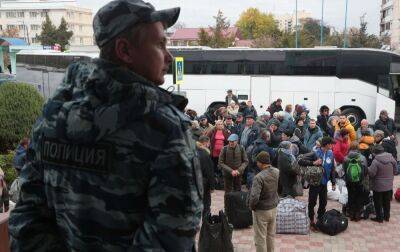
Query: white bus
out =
(361, 82)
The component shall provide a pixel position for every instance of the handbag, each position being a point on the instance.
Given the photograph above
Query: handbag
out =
(298, 187)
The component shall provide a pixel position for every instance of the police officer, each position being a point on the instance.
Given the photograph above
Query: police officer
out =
(112, 165)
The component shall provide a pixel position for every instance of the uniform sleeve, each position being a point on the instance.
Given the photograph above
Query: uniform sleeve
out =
(174, 196)
(32, 223)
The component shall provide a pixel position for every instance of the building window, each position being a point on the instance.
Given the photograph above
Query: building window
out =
(387, 26)
(21, 27)
(10, 14)
(1, 27)
(21, 14)
(11, 27)
(43, 14)
(33, 14)
(81, 41)
(80, 28)
(35, 27)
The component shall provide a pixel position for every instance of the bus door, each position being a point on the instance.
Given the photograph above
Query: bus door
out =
(260, 93)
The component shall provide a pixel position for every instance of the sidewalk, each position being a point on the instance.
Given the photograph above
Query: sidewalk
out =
(363, 236)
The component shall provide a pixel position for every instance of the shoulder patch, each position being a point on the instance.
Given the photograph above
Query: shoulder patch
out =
(96, 158)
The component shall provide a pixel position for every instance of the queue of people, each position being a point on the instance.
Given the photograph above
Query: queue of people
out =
(261, 152)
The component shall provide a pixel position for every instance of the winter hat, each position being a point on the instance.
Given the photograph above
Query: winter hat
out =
(233, 138)
(378, 149)
(263, 157)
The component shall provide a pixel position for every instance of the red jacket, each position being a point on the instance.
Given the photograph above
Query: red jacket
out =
(211, 135)
(340, 149)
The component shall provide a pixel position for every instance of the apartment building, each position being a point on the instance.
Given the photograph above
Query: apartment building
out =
(390, 23)
(28, 15)
(287, 22)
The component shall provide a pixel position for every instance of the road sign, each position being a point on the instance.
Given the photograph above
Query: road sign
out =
(178, 70)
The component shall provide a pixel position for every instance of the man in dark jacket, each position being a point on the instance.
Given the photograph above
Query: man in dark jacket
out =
(249, 133)
(250, 110)
(230, 124)
(322, 120)
(263, 200)
(386, 124)
(207, 170)
(230, 97)
(276, 135)
(287, 175)
(112, 165)
(276, 106)
(259, 145)
(321, 157)
(387, 143)
(233, 161)
(355, 186)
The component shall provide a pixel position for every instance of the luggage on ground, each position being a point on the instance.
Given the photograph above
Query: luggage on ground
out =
(215, 234)
(397, 194)
(292, 217)
(332, 223)
(237, 209)
(368, 208)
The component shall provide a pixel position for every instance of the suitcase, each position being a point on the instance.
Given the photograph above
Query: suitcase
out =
(292, 217)
(215, 234)
(332, 223)
(237, 210)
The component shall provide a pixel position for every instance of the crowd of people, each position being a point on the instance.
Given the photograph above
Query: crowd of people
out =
(263, 151)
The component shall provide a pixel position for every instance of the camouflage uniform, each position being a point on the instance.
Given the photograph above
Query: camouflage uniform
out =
(111, 167)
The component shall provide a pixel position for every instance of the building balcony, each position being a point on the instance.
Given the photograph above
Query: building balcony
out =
(387, 5)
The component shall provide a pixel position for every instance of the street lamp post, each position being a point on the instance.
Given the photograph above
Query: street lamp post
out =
(322, 24)
(345, 27)
(297, 35)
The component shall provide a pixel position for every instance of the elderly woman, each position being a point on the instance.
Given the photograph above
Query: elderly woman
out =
(287, 176)
(381, 172)
(218, 139)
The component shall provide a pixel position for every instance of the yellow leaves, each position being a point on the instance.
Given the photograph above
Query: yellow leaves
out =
(255, 24)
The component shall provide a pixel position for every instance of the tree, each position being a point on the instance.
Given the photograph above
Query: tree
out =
(20, 106)
(48, 36)
(360, 38)
(219, 36)
(52, 35)
(310, 35)
(254, 24)
(11, 33)
(63, 35)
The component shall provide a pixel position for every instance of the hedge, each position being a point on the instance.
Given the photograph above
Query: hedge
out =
(10, 174)
(20, 106)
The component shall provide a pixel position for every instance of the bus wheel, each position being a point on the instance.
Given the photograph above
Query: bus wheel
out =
(354, 116)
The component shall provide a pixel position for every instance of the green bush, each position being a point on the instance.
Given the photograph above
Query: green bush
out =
(10, 173)
(20, 106)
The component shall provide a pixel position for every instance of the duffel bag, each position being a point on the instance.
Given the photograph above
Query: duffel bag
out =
(215, 234)
(237, 210)
(292, 217)
(332, 223)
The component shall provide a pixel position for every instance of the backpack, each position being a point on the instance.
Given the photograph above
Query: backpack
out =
(313, 174)
(354, 170)
(332, 223)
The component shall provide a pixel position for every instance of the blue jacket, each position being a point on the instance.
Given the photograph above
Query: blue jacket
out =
(328, 163)
(311, 137)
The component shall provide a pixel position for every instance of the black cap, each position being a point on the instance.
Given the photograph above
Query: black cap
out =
(250, 116)
(327, 140)
(202, 117)
(239, 114)
(119, 15)
(228, 117)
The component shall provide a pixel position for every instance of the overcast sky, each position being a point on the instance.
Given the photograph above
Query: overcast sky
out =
(199, 13)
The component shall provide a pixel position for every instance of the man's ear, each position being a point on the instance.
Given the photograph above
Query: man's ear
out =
(123, 50)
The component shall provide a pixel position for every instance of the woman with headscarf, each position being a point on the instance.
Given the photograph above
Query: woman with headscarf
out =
(287, 176)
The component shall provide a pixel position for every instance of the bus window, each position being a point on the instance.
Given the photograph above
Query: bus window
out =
(219, 68)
